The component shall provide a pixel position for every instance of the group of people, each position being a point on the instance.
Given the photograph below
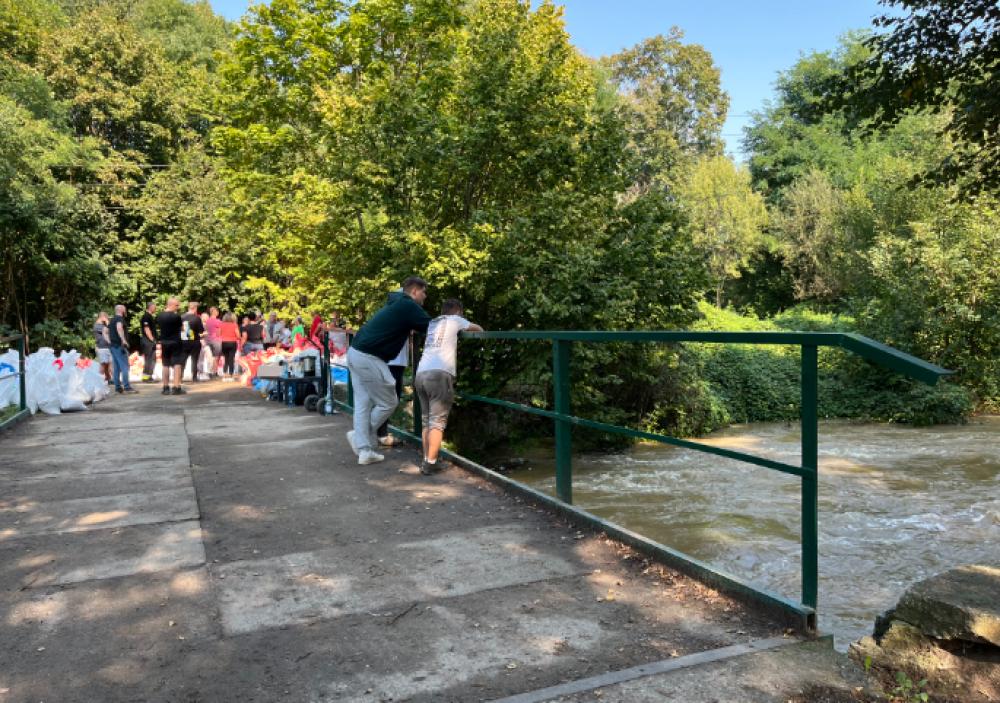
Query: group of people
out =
(377, 349)
(190, 339)
(376, 360)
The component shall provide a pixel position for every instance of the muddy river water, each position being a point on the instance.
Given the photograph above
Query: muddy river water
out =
(897, 504)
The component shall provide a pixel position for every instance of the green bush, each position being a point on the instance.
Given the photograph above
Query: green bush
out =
(762, 383)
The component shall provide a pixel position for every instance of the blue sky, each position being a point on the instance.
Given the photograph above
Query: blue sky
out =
(750, 41)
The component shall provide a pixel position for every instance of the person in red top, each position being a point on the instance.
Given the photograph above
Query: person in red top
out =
(213, 330)
(317, 325)
(230, 334)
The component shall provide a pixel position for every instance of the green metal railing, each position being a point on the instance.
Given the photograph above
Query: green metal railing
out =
(19, 339)
(807, 471)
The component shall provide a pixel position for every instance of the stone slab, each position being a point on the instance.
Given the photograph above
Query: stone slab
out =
(55, 560)
(71, 485)
(98, 513)
(59, 470)
(336, 582)
(96, 439)
(98, 421)
(119, 455)
(961, 604)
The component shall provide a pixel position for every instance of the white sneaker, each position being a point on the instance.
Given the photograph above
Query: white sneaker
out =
(389, 441)
(350, 440)
(370, 457)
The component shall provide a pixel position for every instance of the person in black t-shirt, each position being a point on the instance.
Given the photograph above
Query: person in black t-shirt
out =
(118, 338)
(171, 351)
(191, 341)
(147, 342)
(253, 335)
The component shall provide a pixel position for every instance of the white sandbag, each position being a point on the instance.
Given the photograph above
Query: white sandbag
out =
(10, 390)
(68, 360)
(43, 382)
(76, 396)
(73, 396)
(94, 383)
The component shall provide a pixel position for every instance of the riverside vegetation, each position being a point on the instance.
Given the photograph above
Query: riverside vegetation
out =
(318, 151)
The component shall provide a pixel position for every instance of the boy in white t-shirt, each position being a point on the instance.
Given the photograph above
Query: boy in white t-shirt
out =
(435, 378)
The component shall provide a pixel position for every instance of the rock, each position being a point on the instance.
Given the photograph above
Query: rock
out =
(961, 604)
(945, 629)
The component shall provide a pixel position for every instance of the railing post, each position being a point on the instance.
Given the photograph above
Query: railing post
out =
(23, 378)
(350, 379)
(564, 455)
(418, 417)
(810, 487)
(326, 387)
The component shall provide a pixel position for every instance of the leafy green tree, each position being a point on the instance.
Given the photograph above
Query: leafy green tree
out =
(677, 104)
(933, 293)
(90, 96)
(191, 34)
(185, 244)
(468, 143)
(727, 215)
(937, 57)
(119, 87)
(787, 140)
(810, 228)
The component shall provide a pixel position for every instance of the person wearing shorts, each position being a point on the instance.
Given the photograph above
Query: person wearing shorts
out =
(171, 349)
(103, 345)
(435, 378)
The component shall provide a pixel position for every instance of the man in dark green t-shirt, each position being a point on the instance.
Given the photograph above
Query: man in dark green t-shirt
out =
(378, 342)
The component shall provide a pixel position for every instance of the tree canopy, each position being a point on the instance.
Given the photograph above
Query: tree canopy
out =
(674, 93)
(942, 58)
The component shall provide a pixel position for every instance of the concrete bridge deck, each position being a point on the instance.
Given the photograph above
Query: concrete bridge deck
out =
(215, 547)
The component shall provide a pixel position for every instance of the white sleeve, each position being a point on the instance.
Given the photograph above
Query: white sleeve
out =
(463, 324)
(403, 358)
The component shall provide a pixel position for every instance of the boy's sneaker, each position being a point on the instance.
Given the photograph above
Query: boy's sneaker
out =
(369, 457)
(354, 445)
(119, 389)
(428, 469)
(177, 390)
(131, 391)
(166, 390)
(388, 441)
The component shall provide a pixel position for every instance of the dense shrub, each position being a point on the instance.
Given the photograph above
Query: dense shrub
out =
(762, 383)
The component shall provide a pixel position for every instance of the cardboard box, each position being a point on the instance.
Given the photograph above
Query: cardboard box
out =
(269, 371)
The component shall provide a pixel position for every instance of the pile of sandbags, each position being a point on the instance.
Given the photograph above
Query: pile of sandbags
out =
(54, 385)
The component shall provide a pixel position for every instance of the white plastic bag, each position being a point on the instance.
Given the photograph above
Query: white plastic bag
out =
(9, 388)
(73, 396)
(43, 382)
(94, 383)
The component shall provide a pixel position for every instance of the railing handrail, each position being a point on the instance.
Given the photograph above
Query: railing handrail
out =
(11, 338)
(808, 472)
(864, 347)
